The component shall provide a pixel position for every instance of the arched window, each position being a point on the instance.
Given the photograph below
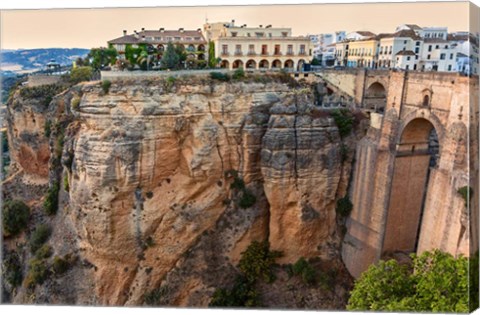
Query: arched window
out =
(426, 100)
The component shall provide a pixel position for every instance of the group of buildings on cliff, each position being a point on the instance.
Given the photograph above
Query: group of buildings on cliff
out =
(410, 47)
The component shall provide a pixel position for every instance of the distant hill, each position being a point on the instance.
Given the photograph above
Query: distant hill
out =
(26, 60)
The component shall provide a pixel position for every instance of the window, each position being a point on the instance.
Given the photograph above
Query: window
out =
(408, 58)
(404, 41)
(414, 67)
(446, 46)
(449, 67)
(238, 49)
(277, 50)
(177, 38)
(284, 34)
(417, 44)
(234, 34)
(290, 50)
(264, 50)
(426, 98)
(225, 49)
(416, 57)
(451, 56)
(302, 49)
(442, 56)
(248, 34)
(437, 47)
(406, 67)
(429, 47)
(259, 34)
(251, 49)
(428, 57)
(417, 50)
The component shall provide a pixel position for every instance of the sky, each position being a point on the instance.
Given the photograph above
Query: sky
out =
(87, 28)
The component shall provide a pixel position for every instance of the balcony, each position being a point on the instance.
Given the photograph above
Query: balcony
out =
(277, 53)
(238, 53)
(302, 53)
(264, 53)
(225, 53)
(289, 53)
(251, 53)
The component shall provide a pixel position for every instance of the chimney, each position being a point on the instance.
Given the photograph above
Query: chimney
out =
(180, 30)
(162, 29)
(143, 29)
(199, 30)
(233, 22)
(260, 26)
(143, 37)
(268, 26)
(244, 25)
(124, 32)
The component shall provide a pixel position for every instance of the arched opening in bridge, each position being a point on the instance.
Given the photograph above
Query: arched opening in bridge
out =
(288, 64)
(375, 98)
(417, 153)
(263, 64)
(251, 64)
(276, 64)
(224, 64)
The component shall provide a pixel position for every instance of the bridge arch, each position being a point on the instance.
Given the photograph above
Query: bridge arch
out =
(417, 152)
(375, 97)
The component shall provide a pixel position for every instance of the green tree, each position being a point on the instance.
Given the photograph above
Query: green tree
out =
(102, 57)
(212, 62)
(170, 59)
(315, 62)
(15, 217)
(435, 281)
(80, 74)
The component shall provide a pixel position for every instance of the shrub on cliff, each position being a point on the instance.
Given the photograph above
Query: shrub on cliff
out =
(242, 294)
(50, 205)
(257, 262)
(303, 269)
(157, 296)
(39, 236)
(220, 76)
(344, 121)
(436, 282)
(80, 74)
(12, 268)
(37, 273)
(247, 199)
(344, 206)
(238, 74)
(15, 217)
(466, 192)
(106, 86)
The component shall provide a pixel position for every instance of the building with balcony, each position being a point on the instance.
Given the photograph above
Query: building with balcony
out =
(155, 42)
(258, 48)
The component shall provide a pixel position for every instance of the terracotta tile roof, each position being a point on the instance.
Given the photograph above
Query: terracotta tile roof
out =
(405, 53)
(435, 40)
(403, 34)
(365, 33)
(162, 37)
(413, 26)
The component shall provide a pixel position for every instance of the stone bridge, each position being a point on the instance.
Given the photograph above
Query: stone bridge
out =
(420, 150)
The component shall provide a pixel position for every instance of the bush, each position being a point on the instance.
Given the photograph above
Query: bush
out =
(247, 199)
(44, 252)
(305, 270)
(50, 205)
(66, 185)
(37, 273)
(39, 236)
(60, 265)
(12, 269)
(156, 297)
(15, 217)
(75, 103)
(435, 282)
(220, 76)
(344, 206)
(106, 86)
(43, 93)
(344, 121)
(257, 261)
(466, 192)
(47, 129)
(238, 74)
(243, 294)
(80, 74)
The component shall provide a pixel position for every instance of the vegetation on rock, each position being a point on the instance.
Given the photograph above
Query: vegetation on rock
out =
(344, 121)
(435, 282)
(50, 205)
(466, 192)
(106, 86)
(344, 206)
(39, 236)
(80, 74)
(15, 217)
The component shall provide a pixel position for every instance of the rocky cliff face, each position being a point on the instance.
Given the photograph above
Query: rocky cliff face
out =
(150, 167)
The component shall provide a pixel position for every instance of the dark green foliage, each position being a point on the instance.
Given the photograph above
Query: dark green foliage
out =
(106, 86)
(102, 57)
(50, 205)
(473, 284)
(315, 62)
(59, 144)
(344, 206)
(47, 128)
(466, 192)
(303, 269)
(243, 294)
(80, 74)
(12, 269)
(15, 217)
(66, 185)
(257, 261)
(60, 265)
(436, 282)
(247, 199)
(39, 236)
(44, 252)
(343, 152)
(156, 297)
(238, 74)
(43, 93)
(171, 58)
(212, 61)
(75, 103)
(344, 121)
(37, 273)
(220, 76)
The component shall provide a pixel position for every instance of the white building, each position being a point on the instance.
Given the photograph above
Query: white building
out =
(324, 47)
(262, 47)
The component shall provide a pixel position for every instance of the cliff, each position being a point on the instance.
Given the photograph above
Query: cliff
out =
(166, 183)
